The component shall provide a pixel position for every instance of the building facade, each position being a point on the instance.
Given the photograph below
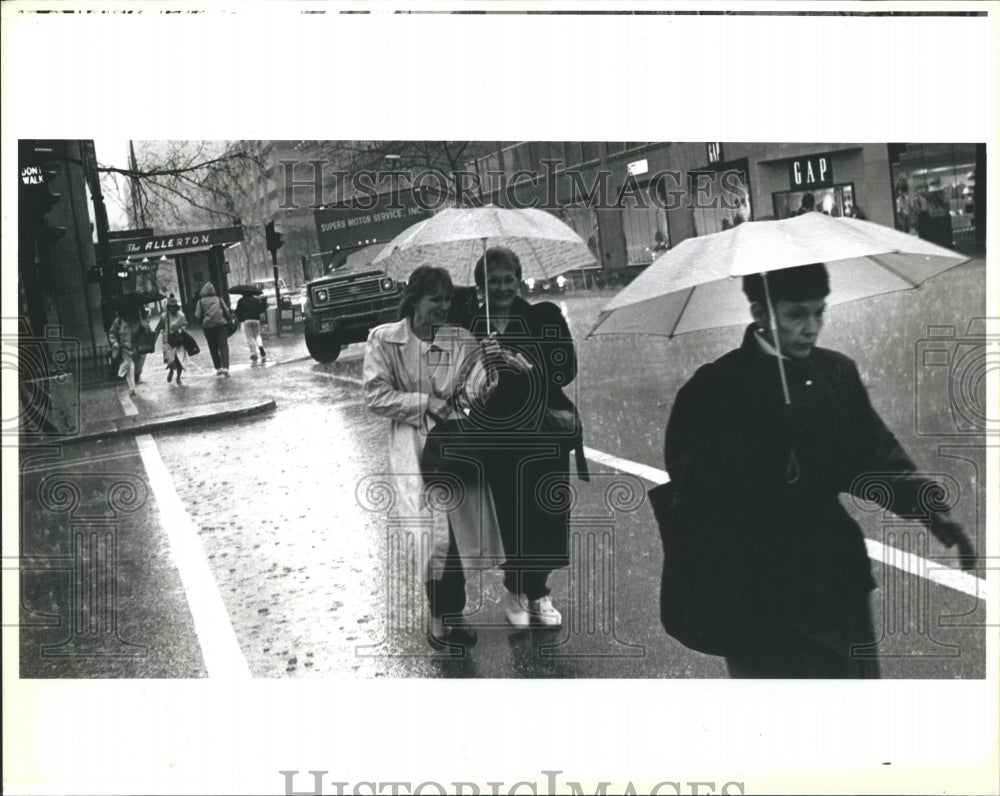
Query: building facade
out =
(633, 200)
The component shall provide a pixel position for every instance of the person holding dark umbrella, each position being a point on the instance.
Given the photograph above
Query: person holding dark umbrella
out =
(759, 445)
(248, 310)
(125, 335)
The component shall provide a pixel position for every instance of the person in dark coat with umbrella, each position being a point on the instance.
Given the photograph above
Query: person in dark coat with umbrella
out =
(526, 451)
(248, 310)
(770, 570)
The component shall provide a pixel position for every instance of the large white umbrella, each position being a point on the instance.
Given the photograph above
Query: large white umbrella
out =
(696, 285)
(455, 238)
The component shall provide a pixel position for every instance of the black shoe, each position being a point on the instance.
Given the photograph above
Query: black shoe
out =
(263, 355)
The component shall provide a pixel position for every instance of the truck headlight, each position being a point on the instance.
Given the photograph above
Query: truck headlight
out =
(387, 283)
(320, 295)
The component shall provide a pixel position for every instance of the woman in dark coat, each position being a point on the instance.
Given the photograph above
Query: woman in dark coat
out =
(529, 427)
(755, 485)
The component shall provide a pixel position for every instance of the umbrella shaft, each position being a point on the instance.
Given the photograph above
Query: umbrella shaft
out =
(774, 338)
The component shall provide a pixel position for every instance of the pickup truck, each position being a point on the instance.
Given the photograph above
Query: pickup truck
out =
(341, 308)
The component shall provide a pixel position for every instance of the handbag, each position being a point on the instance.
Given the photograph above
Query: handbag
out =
(566, 423)
(189, 343)
(232, 324)
(175, 337)
(709, 586)
(144, 341)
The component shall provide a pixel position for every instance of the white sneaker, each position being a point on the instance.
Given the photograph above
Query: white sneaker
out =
(543, 610)
(513, 606)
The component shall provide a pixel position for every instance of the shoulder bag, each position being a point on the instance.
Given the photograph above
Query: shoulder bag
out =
(143, 340)
(175, 337)
(232, 323)
(189, 343)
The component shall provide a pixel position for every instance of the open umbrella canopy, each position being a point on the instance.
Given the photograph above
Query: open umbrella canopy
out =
(138, 298)
(245, 290)
(696, 285)
(453, 239)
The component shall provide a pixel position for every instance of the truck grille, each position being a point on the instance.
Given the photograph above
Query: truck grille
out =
(351, 292)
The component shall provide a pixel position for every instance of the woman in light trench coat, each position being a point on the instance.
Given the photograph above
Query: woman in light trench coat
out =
(415, 372)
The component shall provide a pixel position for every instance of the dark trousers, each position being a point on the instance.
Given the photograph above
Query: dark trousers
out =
(529, 582)
(447, 595)
(218, 346)
(534, 529)
(817, 650)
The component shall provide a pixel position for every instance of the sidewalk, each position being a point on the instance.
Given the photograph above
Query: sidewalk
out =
(106, 411)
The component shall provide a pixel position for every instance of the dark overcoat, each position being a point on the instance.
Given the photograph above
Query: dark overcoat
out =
(527, 460)
(757, 546)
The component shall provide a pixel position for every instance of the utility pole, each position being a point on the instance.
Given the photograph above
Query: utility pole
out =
(110, 284)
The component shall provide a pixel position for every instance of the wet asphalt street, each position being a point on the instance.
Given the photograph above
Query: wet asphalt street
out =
(299, 556)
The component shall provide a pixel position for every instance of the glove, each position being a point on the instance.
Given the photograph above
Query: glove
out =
(950, 534)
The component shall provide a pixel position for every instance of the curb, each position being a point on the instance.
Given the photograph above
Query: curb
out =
(131, 425)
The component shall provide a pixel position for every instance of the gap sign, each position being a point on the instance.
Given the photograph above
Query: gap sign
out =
(814, 171)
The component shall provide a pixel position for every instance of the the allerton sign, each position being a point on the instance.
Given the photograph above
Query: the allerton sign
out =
(174, 243)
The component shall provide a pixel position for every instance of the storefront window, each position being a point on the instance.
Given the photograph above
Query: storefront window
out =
(645, 223)
(583, 220)
(723, 200)
(837, 200)
(934, 192)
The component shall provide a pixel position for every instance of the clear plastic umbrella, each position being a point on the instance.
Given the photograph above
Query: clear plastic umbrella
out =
(697, 285)
(456, 237)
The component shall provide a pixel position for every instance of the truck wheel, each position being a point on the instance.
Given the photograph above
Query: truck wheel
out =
(323, 347)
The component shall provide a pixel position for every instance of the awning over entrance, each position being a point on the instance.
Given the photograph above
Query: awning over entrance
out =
(174, 243)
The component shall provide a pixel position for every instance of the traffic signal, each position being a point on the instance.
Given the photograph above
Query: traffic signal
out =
(38, 163)
(274, 238)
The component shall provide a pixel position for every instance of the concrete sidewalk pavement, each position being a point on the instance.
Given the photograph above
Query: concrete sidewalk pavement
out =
(106, 411)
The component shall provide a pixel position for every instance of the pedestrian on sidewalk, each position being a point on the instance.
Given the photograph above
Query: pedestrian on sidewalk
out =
(414, 371)
(248, 310)
(122, 335)
(173, 324)
(530, 427)
(753, 496)
(214, 316)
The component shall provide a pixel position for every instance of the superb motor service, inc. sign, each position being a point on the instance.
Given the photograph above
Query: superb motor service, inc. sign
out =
(350, 227)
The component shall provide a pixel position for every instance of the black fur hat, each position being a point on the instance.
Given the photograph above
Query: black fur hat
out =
(790, 284)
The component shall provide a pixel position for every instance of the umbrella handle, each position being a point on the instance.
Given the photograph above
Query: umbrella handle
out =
(774, 338)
